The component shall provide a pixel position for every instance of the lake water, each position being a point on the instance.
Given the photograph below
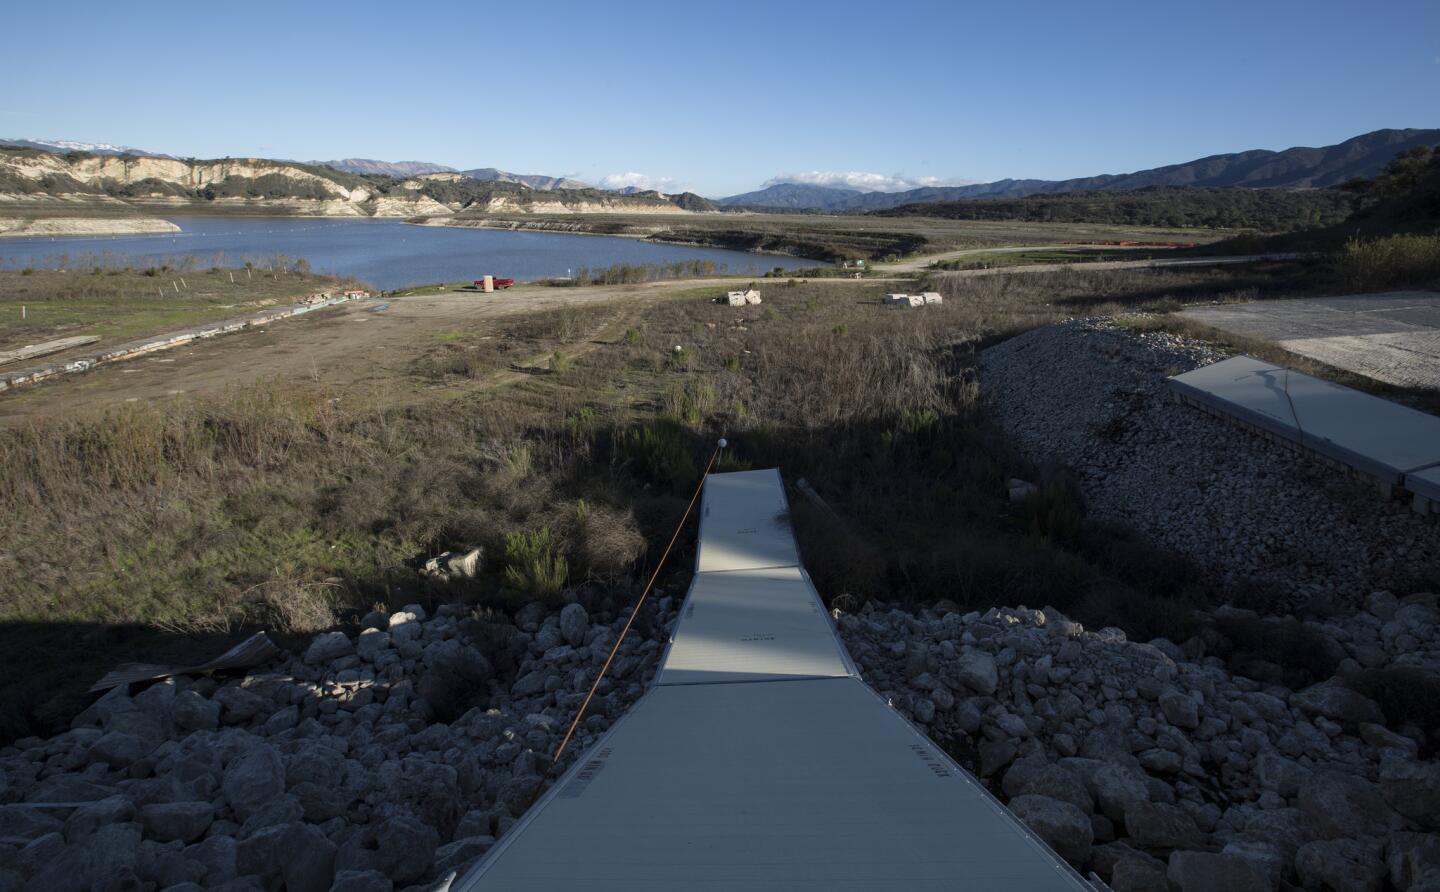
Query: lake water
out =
(386, 253)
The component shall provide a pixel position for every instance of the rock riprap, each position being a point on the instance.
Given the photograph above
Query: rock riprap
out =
(330, 769)
(1159, 771)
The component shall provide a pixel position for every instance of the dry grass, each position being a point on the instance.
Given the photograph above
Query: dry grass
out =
(291, 506)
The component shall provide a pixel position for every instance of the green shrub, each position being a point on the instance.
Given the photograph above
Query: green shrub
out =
(1391, 261)
(534, 565)
(559, 362)
(658, 452)
(632, 336)
(1055, 512)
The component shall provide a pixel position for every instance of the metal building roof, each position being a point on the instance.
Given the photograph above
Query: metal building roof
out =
(753, 625)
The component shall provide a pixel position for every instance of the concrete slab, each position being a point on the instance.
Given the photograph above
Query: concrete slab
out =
(794, 785)
(753, 625)
(1370, 434)
(1392, 337)
(1425, 483)
(742, 524)
(1245, 387)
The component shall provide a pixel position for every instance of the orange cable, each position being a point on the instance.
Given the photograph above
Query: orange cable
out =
(580, 713)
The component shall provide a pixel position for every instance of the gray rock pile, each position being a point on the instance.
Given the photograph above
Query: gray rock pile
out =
(1156, 770)
(1091, 395)
(333, 769)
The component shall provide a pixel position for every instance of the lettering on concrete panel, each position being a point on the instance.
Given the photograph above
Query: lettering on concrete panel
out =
(758, 636)
(578, 784)
(937, 767)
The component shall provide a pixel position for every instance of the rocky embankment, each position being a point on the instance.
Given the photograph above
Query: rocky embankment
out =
(15, 227)
(358, 765)
(395, 757)
(1091, 395)
(1153, 766)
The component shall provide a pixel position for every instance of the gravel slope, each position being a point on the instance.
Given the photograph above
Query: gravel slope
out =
(1091, 395)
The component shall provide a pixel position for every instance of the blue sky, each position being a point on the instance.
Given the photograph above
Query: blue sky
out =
(721, 98)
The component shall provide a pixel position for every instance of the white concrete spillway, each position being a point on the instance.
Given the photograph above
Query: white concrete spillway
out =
(759, 760)
(1396, 445)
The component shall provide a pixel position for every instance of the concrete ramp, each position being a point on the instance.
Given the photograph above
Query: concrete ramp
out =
(1394, 444)
(759, 760)
(753, 625)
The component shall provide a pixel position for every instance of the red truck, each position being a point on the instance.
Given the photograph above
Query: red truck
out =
(498, 283)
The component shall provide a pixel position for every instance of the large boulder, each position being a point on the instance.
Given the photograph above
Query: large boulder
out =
(185, 821)
(298, 854)
(1413, 859)
(328, 646)
(1341, 865)
(1338, 703)
(976, 670)
(192, 712)
(1156, 825)
(1117, 788)
(1342, 805)
(107, 856)
(361, 881)
(1066, 828)
(1056, 782)
(252, 779)
(22, 822)
(1413, 790)
(91, 816)
(574, 623)
(1212, 872)
(1180, 709)
(405, 848)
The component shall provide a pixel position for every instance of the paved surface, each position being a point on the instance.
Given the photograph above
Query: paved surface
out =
(1394, 338)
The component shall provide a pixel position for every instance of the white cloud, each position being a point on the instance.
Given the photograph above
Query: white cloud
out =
(863, 181)
(632, 179)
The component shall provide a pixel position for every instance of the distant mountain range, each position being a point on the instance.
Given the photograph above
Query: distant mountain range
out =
(61, 146)
(397, 169)
(797, 196)
(1296, 168)
(533, 180)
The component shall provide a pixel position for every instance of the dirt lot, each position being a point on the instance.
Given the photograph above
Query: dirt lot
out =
(356, 345)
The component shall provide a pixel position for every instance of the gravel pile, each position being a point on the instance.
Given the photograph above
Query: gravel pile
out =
(1090, 395)
(1150, 768)
(324, 771)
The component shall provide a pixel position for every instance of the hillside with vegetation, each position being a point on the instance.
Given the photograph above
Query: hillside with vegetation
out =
(1266, 210)
(1301, 167)
(38, 182)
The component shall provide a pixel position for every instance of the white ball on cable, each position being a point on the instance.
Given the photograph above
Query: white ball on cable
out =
(723, 443)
